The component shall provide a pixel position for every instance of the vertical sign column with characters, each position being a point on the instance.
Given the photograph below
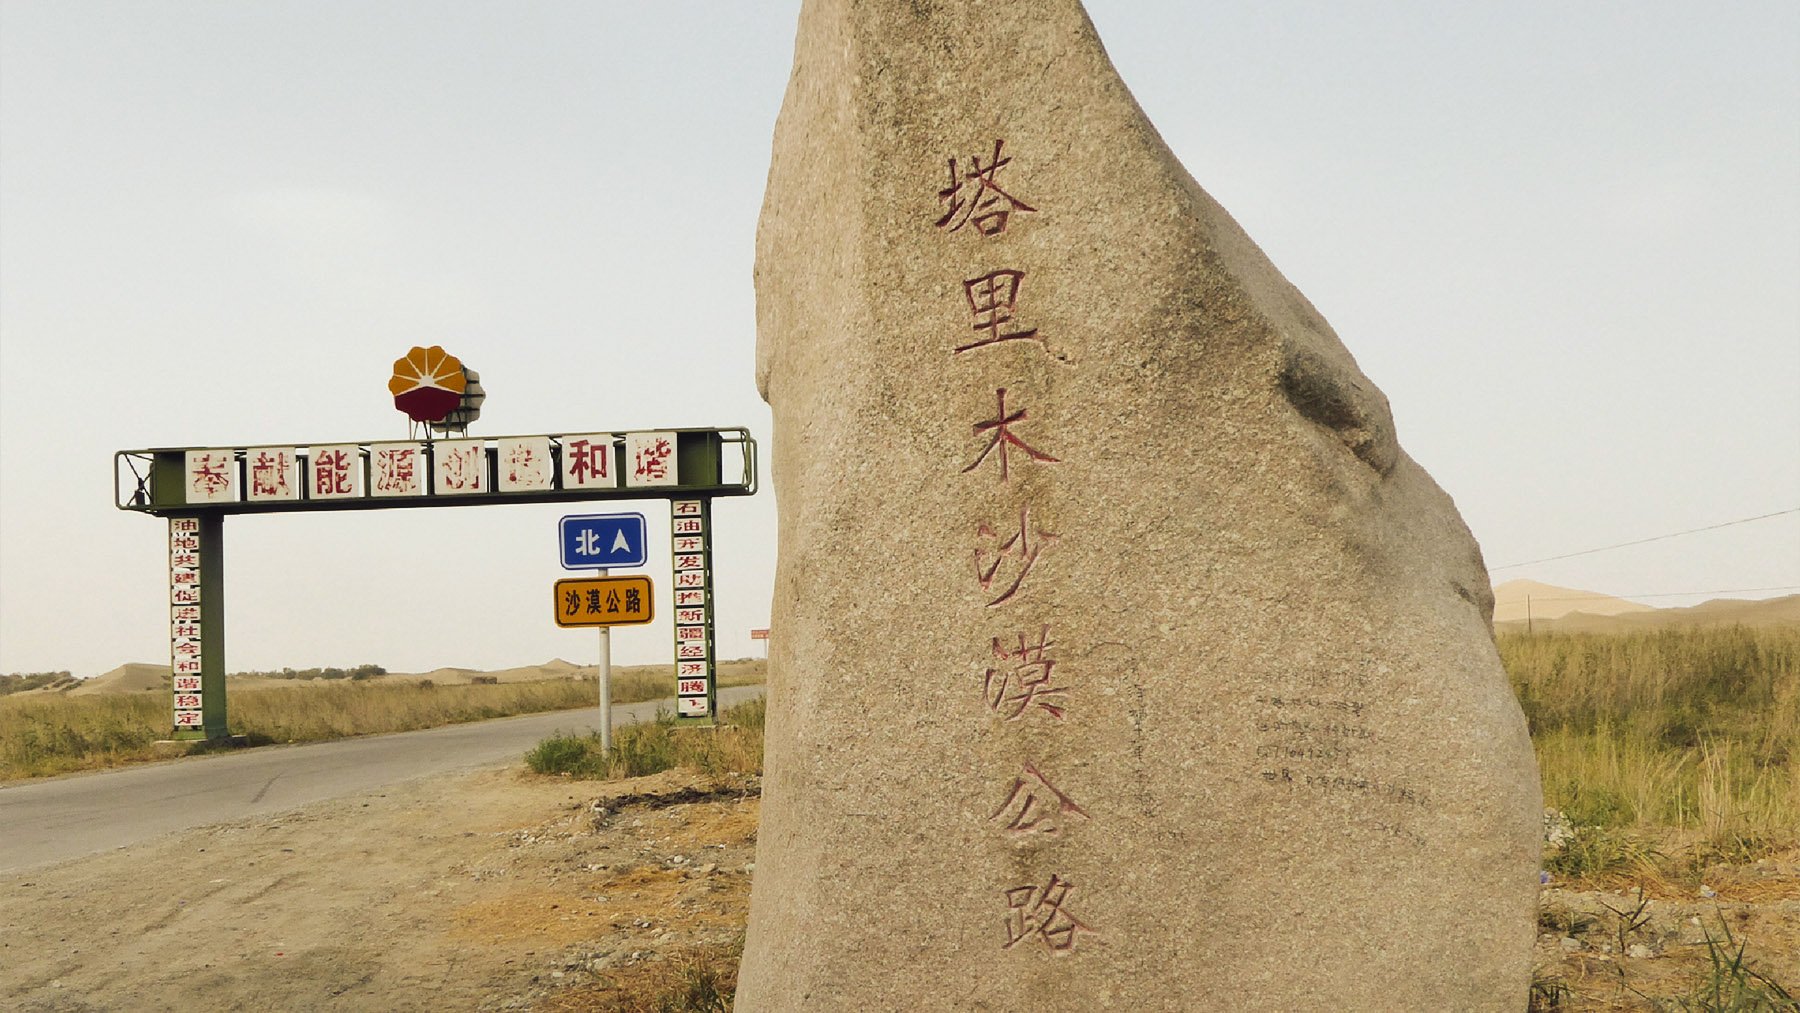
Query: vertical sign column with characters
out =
(196, 626)
(691, 540)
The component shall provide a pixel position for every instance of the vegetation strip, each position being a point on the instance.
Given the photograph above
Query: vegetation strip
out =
(734, 747)
(1692, 730)
(46, 732)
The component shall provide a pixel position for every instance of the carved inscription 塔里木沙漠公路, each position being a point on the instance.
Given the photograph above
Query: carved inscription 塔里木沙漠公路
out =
(1014, 681)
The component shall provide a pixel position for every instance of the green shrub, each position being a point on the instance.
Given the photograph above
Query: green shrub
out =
(1596, 851)
(734, 746)
(647, 747)
(559, 754)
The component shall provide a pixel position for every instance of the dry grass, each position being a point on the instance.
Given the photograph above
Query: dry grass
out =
(654, 682)
(44, 734)
(1673, 755)
(52, 733)
(308, 714)
(1695, 730)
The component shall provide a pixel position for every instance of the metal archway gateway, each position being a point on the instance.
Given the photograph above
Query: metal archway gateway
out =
(196, 487)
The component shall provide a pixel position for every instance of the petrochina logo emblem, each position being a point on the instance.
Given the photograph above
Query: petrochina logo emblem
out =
(428, 384)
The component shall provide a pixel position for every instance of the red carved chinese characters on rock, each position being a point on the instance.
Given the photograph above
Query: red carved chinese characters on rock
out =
(1016, 681)
(1022, 679)
(1034, 806)
(974, 196)
(1037, 912)
(1018, 552)
(992, 299)
(1000, 426)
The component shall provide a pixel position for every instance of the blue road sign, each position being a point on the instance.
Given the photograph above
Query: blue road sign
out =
(590, 541)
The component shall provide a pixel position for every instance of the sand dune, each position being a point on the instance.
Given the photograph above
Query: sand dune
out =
(1553, 609)
(556, 668)
(1514, 598)
(135, 677)
(1784, 611)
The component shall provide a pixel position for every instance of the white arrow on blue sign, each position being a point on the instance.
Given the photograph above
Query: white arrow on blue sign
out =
(590, 541)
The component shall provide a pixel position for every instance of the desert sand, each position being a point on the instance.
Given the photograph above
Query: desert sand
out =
(1568, 610)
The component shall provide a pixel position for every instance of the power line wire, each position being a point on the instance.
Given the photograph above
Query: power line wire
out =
(1641, 541)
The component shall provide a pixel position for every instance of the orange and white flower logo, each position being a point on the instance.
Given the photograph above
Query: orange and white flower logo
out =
(428, 384)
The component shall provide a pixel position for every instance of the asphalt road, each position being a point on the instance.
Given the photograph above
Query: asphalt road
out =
(67, 817)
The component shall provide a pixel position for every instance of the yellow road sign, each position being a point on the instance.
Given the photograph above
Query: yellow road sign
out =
(603, 601)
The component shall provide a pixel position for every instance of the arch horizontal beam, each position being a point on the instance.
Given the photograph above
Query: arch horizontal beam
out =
(395, 474)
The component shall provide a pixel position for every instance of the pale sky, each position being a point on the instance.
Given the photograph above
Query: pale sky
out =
(1564, 239)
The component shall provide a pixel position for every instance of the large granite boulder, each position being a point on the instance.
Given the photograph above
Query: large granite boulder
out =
(1121, 658)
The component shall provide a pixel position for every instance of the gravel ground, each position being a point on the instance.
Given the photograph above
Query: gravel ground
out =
(1641, 943)
(491, 890)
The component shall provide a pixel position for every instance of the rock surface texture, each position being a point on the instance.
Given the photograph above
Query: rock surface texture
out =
(1121, 658)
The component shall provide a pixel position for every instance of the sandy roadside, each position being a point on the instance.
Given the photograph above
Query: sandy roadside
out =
(499, 890)
(474, 891)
